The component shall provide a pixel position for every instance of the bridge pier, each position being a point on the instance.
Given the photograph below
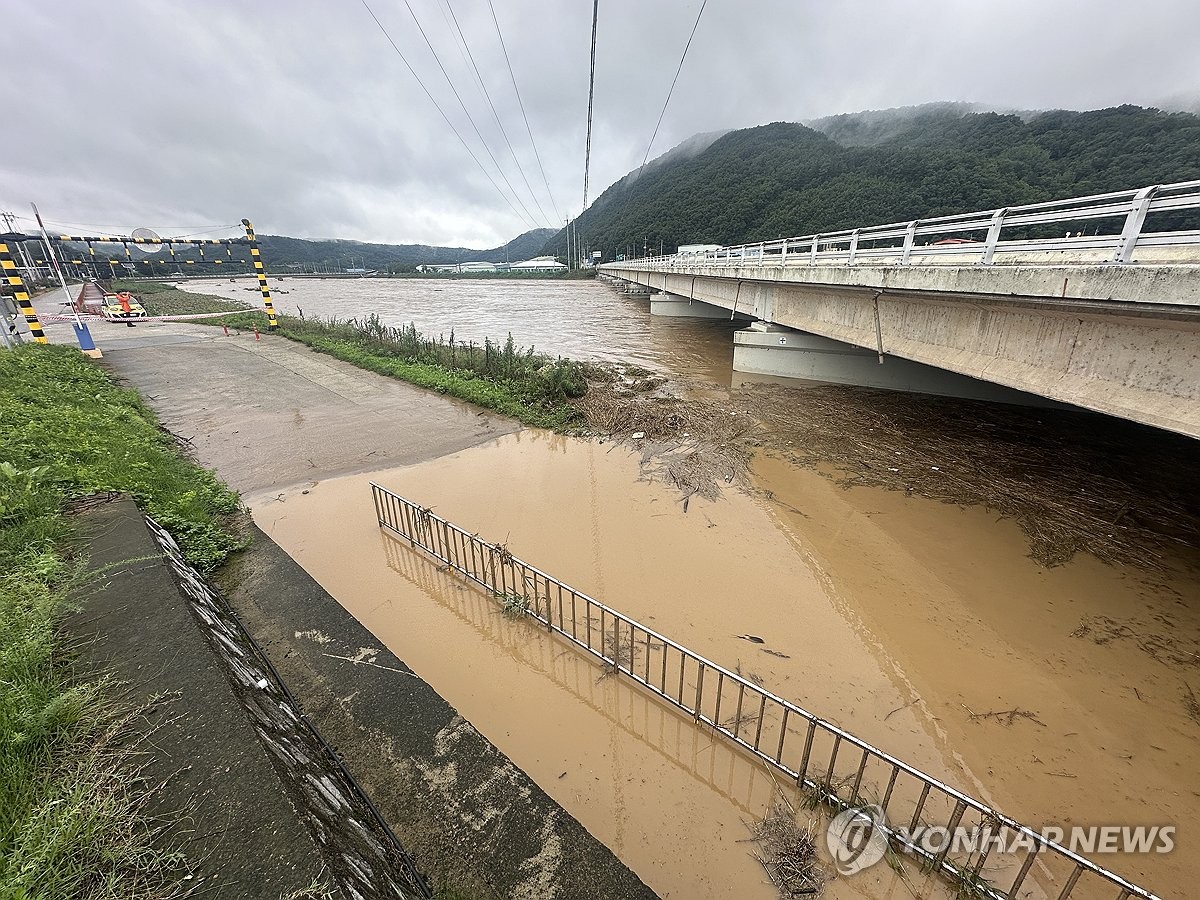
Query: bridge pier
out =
(664, 304)
(768, 349)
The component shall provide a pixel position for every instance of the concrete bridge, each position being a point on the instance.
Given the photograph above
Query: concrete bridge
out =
(1106, 317)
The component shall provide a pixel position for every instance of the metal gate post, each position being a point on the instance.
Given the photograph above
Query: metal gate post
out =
(256, 258)
(12, 276)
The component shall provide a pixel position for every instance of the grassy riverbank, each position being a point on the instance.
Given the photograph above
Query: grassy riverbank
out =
(70, 823)
(532, 387)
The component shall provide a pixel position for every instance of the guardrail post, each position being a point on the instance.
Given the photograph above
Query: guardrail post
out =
(1133, 224)
(853, 247)
(910, 236)
(812, 256)
(783, 255)
(993, 236)
(12, 276)
(256, 258)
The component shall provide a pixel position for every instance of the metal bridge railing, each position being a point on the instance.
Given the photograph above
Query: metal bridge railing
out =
(827, 762)
(979, 235)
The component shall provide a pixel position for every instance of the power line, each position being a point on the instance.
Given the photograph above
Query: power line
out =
(438, 107)
(587, 154)
(521, 103)
(437, 59)
(495, 115)
(672, 90)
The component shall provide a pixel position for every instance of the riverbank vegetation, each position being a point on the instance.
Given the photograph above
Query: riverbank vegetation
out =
(533, 388)
(70, 814)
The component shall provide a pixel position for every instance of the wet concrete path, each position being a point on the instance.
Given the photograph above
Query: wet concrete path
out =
(269, 413)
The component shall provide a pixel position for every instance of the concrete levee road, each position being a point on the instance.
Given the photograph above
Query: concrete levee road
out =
(1119, 340)
(270, 413)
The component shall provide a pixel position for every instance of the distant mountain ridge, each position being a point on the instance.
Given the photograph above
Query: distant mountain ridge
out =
(280, 251)
(881, 166)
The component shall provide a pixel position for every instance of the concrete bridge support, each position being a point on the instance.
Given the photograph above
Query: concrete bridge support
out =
(768, 349)
(1114, 347)
(664, 304)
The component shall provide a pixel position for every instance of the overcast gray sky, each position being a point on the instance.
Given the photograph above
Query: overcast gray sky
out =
(301, 116)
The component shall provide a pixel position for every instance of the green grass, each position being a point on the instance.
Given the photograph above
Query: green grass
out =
(524, 395)
(168, 300)
(531, 387)
(70, 822)
(89, 435)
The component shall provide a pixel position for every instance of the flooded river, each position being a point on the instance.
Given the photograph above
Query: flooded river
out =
(1063, 696)
(580, 319)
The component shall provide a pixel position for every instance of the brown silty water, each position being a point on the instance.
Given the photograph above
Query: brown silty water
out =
(1063, 696)
(580, 319)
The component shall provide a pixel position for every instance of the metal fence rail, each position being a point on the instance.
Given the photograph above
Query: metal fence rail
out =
(824, 760)
(1121, 215)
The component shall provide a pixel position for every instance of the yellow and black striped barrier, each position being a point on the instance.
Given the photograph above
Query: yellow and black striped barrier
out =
(272, 324)
(12, 276)
(83, 239)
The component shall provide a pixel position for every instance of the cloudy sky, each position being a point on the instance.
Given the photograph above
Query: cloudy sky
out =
(301, 115)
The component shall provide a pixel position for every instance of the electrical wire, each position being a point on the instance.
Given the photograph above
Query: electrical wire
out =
(437, 59)
(495, 115)
(587, 154)
(438, 107)
(521, 103)
(679, 69)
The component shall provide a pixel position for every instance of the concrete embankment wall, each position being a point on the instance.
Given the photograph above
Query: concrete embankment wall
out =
(469, 816)
(259, 805)
(232, 821)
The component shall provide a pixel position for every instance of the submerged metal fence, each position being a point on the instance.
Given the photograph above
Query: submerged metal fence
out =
(827, 762)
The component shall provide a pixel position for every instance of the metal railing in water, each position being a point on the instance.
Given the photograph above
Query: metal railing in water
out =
(977, 236)
(827, 762)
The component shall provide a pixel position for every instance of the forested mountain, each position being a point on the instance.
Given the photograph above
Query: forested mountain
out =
(281, 252)
(787, 179)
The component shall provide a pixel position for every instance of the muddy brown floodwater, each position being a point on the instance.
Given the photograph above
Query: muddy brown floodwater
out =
(894, 617)
(669, 800)
(580, 319)
(1064, 695)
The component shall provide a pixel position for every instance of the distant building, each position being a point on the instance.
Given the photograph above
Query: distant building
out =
(460, 268)
(537, 264)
